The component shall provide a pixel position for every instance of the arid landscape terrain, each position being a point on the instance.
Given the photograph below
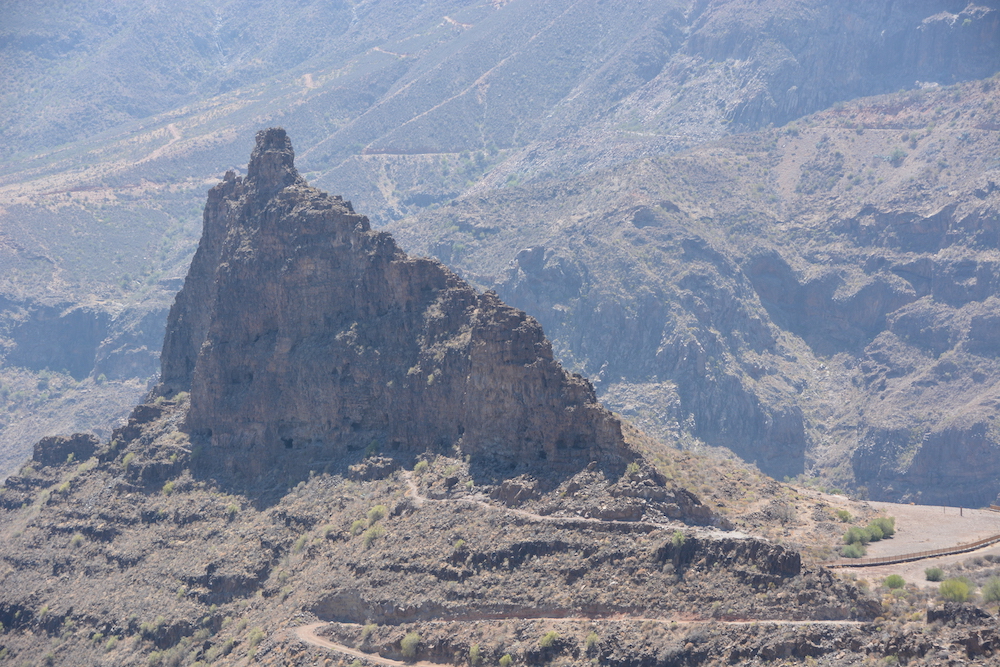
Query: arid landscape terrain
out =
(597, 333)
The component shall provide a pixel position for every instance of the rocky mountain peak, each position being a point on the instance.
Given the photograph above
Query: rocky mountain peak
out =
(272, 163)
(306, 339)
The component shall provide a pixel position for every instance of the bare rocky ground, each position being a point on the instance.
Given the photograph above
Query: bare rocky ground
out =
(130, 556)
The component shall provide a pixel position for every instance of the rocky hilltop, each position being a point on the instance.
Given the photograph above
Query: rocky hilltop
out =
(303, 336)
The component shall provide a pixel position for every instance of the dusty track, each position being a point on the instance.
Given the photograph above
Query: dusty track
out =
(307, 633)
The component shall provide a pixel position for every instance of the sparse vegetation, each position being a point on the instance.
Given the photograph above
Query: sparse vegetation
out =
(373, 534)
(844, 516)
(934, 574)
(376, 514)
(421, 467)
(549, 639)
(408, 646)
(894, 581)
(474, 655)
(991, 589)
(957, 589)
(506, 660)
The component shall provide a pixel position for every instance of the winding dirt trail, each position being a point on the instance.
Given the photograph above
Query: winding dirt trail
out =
(307, 633)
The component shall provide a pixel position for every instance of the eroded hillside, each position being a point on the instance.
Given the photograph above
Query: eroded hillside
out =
(817, 298)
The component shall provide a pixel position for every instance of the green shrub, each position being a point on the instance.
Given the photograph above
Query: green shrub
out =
(549, 639)
(474, 657)
(856, 535)
(894, 581)
(256, 635)
(128, 459)
(856, 550)
(232, 509)
(300, 544)
(506, 660)
(358, 527)
(408, 647)
(373, 534)
(886, 524)
(367, 631)
(874, 532)
(991, 590)
(168, 488)
(955, 589)
(111, 644)
(421, 467)
(76, 540)
(934, 574)
(377, 513)
(592, 640)
(844, 516)
(677, 540)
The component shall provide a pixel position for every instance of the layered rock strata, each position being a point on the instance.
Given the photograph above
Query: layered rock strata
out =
(303, 336)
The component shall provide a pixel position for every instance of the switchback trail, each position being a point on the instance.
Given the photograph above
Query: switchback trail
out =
(307, 634)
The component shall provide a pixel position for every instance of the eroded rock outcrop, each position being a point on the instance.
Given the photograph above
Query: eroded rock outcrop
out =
(304, 336)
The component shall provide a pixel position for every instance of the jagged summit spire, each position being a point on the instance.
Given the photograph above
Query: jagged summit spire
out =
(272, 163)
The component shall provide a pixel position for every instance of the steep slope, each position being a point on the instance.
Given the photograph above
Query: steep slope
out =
(303, 335)
(118, 116)
(796, 295)
(170, 545)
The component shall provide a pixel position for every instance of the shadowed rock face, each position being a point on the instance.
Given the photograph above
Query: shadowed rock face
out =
(304, 336)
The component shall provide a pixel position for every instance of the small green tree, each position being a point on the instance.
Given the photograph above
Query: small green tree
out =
(844, 516)
(474, 657)
(856, 550)
(991, 590)
(954, 590)
(549, 639)
(506, 660)
(408, 647)
(934, 574)
(678, 539)
(894, 581)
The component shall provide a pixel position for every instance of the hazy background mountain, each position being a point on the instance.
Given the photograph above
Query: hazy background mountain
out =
(796, 294)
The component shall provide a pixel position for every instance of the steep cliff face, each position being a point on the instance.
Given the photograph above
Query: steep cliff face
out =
(303, 336)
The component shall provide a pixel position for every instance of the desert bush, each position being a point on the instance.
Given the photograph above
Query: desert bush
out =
(377, 513)
(358, 527)
(855, 550)
(991, 589)
(367, 631)
(886, 524)
(506, 660)
(955, 590)
(874, 533)
(844, 516)
(592, 640)
(408, 647)
(111, 644)
(128, 459)
(894, 581)
(421, 467)
(168, 488)
(232, 509)
(300, 544)
(373, 534)
(934, 574)
(857, 535)
(474, 656)
(549, 639)
(677, 539)
(76, 540)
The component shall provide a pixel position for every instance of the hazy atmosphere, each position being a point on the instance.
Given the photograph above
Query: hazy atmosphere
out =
(500, 332)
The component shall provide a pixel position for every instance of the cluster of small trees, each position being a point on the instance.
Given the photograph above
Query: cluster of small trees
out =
(857, 538)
